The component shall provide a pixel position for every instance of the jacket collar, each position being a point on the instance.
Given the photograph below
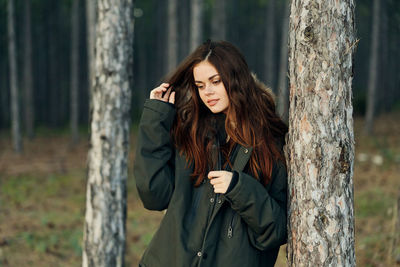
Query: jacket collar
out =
(242, 158)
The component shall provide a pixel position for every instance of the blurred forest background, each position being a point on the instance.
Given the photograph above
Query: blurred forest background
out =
(42, 188)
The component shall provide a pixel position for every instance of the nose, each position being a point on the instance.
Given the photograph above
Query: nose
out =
(208, 90)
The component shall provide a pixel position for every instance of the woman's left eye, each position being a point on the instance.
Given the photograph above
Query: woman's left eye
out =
(216, 81)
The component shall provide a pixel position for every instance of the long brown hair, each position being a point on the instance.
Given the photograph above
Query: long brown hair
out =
(250, 119)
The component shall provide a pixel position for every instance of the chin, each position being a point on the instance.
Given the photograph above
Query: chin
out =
(216, 110)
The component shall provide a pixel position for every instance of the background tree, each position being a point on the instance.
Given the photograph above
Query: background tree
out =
(373, 69)
(74, 86)
(196, 24)
(104, 232)
(15, 107)
(270, 43)
(218, 22)
(320, 145)
(283, 96)
(172, 41)
(28, 81)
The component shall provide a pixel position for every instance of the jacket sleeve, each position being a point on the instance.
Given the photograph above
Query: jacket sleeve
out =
(154, 157)
(264, 211)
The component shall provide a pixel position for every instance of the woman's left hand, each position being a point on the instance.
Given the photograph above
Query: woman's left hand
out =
(220, 180)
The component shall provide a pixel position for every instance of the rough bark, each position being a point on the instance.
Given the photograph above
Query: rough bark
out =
(74, 86)
(28, 81)
(320, 142)
(283, 95)
(104, 233)
(196, 24)
(270, 39)
(15, 107)
(373, 69)
(218, 21)
(172, 42)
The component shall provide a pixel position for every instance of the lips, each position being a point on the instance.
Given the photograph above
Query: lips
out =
(212, 102)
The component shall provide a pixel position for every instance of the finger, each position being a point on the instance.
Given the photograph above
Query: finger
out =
(157, 92)
(166, 95)
(166, 85)
(172, 98)
(216, 181)
(220, 189)
(214, 174)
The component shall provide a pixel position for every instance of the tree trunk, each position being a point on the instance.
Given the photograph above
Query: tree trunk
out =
(270, 39)
(218, 22)
(385, 98)
(104, 233)
(373, 70)
(196, 24)
(74, 100)
(91, 7)
(172, 37)
(320, 144)
(283, 96)
(184, 30)
(15, 108)
(28, 81)
(55, 86)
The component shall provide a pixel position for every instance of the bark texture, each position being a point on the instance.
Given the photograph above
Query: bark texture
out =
(320, 142)
(15, 107)
(104, 233)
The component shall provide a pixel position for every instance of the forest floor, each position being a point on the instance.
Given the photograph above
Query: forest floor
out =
(42, 200)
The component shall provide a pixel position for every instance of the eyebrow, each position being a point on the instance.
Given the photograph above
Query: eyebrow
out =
(212, 77)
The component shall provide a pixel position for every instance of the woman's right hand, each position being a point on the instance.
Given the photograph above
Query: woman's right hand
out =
(157, 93)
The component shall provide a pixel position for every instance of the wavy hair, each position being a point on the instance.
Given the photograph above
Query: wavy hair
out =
(251, 119)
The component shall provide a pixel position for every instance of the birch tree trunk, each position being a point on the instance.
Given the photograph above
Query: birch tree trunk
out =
(283, 96)
(172, 42)
(373, 69)
(28, 81)
(270, 39)
(196, 23)
(320, 142)
(15, 108)
(104, 233)
(218, 20)
(74, 100)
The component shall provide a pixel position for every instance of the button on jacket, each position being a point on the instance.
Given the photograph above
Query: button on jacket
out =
(243, 227)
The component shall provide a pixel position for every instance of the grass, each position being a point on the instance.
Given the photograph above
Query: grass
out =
(42, 201)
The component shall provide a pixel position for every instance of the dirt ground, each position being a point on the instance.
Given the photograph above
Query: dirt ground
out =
(42, 200)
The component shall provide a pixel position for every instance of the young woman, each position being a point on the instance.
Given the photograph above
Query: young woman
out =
(209, 151)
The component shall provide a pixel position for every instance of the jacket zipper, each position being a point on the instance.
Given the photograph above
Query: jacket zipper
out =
(231, 225)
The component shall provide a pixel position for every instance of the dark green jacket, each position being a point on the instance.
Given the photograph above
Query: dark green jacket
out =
(243, 227)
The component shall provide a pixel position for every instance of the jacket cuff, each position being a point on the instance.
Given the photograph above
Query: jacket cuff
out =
(233, 182)
(159, 110)
(159, 106)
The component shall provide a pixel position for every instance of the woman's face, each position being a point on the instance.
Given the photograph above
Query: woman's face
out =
(210, 86)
